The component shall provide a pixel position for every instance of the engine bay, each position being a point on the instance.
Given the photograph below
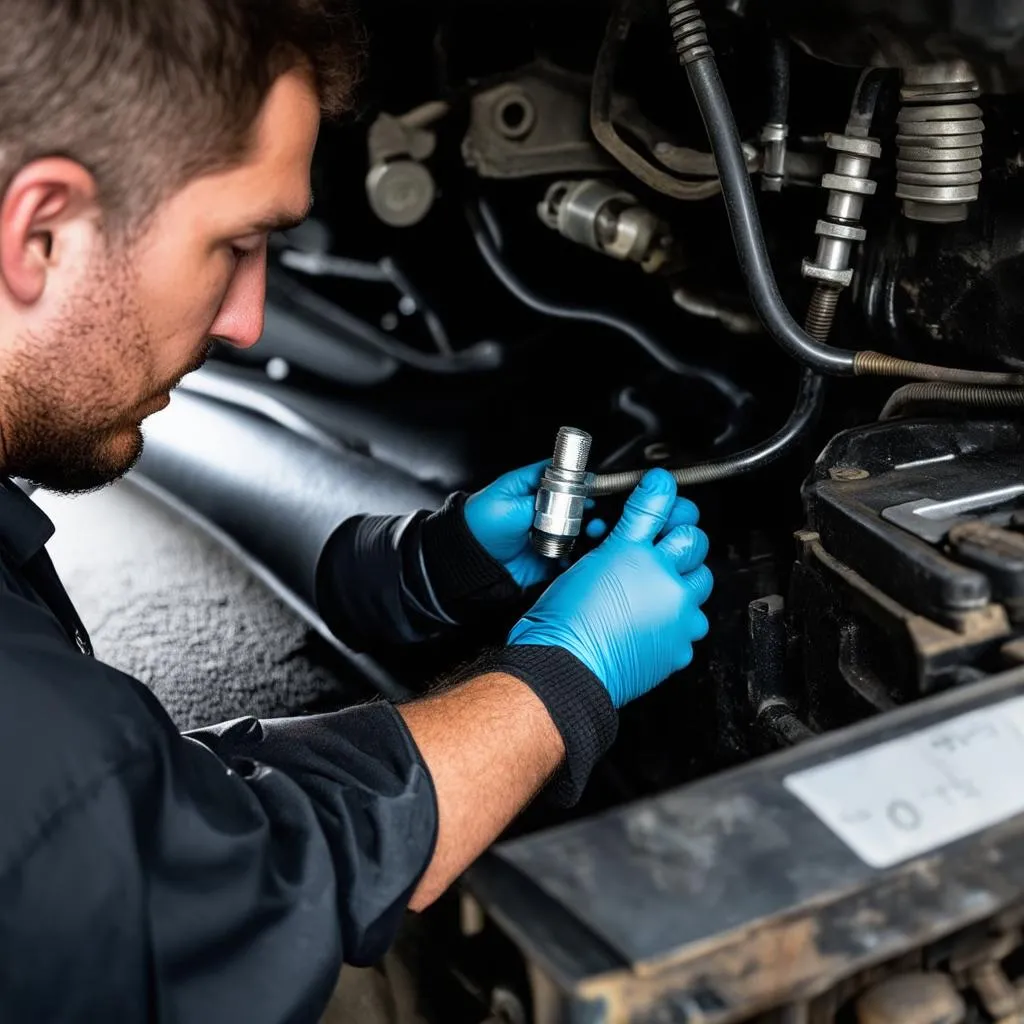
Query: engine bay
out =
(814, 320)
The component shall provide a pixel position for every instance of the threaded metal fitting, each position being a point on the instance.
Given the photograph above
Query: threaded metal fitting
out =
(562, 495)
(821, 313)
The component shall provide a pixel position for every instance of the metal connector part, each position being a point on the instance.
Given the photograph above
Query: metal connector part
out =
(773, 168)
(848, 186)
(607, 219)
(562, 495)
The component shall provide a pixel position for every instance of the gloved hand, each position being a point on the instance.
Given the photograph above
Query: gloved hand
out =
(630, 610)
(500, 517)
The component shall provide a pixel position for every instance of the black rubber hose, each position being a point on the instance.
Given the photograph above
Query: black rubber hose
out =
(778, 59)
(809, 402)
(865, 98)
(486, 235)
(745, 224)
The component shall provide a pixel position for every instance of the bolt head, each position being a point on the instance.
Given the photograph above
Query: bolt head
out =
(846, 474)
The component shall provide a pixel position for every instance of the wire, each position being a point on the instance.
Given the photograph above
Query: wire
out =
(807, 408)
(486, 234)
(778, 59)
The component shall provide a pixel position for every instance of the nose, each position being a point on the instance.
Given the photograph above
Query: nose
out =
(240, 320)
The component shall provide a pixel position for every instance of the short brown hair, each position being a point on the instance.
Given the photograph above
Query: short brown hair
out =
(147, 94)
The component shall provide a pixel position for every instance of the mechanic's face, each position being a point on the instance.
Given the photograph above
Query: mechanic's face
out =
(95, 332)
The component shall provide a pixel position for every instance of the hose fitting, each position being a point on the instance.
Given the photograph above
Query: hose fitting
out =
(689, 31)
(562, 495)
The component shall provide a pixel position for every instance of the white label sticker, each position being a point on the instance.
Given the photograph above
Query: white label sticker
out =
(913, 794)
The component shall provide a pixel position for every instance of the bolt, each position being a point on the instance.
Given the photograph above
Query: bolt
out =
(845, 474)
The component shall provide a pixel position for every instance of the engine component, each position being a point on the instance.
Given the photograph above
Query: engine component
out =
(607, 219)
(695, 54)
(912, 999)
(848, 186)
(770, 700)
(533, 124)
(907, 582)
(562, 495)
(840, 229)
(486, 235)
(401, 190)
(773, 168)
(900, 33)
(602, 124)
(938, 166)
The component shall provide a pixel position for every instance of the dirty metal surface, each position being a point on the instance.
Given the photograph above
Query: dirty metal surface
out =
(165, 603)
(730, 895)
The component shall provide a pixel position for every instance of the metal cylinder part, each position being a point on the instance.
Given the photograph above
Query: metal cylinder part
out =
(773, 169)
(605, 218)
(562, 495)
(939, 142)
(840, 229)
(401, 192)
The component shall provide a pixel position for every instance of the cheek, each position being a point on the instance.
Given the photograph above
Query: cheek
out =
(185, 309)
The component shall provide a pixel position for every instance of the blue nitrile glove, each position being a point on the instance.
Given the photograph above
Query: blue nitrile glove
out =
(630, 610)
(500, 517)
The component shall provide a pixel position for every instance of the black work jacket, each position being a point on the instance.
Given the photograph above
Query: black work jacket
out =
(222, 875)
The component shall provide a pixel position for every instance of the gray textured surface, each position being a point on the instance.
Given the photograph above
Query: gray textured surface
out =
(166, 604)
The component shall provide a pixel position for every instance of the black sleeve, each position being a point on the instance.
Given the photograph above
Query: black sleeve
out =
(403, 579)
(220, 876)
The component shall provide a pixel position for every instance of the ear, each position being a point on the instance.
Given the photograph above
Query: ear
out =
(45, 201)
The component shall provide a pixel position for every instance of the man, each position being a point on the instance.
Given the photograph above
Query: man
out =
(147, 150)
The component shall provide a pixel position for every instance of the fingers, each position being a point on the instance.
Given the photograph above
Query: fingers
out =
(684, 513)
(596, 529)
(699, 583)
(699, 627)
(648, 507)
(686, 547)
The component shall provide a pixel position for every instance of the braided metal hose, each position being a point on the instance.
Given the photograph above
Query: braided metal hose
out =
(952, 394)
(809, 400)
(878, 364)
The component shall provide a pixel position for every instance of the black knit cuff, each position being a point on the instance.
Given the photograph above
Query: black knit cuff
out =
(467, 581)
(577, 701)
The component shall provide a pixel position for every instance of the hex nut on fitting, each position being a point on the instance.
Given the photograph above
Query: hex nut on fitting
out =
(562, 495)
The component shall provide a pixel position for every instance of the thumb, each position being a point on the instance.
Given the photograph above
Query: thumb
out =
(648, 507)
(522, 483)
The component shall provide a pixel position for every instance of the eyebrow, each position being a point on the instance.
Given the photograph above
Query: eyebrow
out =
(282, 221)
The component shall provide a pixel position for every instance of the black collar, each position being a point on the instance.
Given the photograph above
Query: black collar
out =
(24, 527)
